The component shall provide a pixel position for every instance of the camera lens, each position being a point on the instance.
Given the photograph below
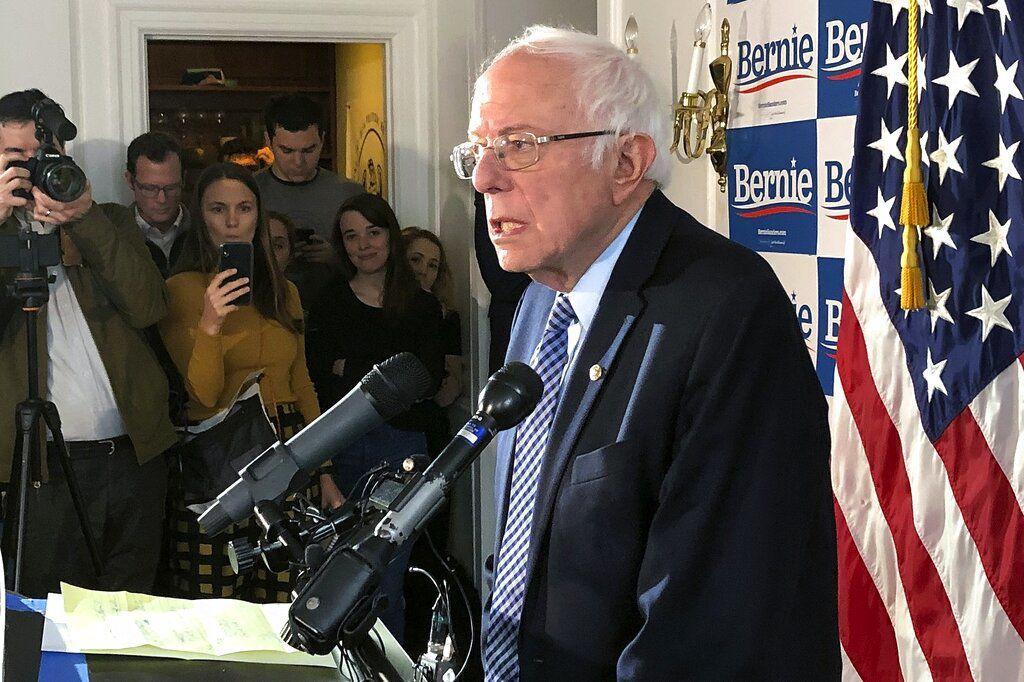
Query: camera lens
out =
(63, 180)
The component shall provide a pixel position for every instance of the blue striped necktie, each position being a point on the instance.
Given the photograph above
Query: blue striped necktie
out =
(501, 660)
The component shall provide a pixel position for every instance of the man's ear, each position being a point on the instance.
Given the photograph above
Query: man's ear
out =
(266, 139)
(635, 155)
(128, 178)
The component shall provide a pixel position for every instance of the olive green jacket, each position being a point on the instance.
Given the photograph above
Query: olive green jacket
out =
(121, 293)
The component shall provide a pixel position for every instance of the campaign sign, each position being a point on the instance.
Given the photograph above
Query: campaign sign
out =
(798, 275)
(830, 304)
(842, 34)
(775, 62)
(772, 193)
(835, 156)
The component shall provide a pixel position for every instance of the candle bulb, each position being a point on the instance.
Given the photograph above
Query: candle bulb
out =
(701, 31)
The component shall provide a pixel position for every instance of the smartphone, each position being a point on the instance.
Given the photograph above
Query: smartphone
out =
(238, 255)
(303, 234)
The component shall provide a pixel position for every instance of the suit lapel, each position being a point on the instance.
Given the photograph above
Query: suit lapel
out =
(615, 317)
(620, 306)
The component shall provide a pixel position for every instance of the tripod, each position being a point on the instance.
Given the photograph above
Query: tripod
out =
(32, 289)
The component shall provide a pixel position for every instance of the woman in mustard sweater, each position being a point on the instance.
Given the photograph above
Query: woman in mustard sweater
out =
(216, 344)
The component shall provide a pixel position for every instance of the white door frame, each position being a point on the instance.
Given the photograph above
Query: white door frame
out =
(111, 91)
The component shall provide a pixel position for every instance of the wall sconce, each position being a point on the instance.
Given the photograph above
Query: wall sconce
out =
(710, 109)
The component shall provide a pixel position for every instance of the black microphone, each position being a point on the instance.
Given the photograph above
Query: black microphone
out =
(340, 601)
(509, 396)
(387, 390)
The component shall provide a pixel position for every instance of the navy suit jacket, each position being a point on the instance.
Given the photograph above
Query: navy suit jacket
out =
(683, 526)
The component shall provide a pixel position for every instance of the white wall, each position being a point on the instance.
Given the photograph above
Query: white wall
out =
(35, 49)
(693, 185)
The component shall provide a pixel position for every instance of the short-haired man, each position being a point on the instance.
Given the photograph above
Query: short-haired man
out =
(154, 175)
(153, 172)
(665, 513)
(297, 186)
(96, 367)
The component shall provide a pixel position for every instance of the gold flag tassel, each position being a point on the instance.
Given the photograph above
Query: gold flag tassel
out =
(914, 203)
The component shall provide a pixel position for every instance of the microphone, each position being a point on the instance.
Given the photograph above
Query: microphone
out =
(387, 390)
(509, 396)
(339, 602)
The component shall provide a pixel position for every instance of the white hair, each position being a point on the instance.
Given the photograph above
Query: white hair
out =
(612, 90)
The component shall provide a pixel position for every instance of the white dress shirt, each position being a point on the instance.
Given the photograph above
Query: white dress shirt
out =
(76, 379)
(586, 295)
(162, 240)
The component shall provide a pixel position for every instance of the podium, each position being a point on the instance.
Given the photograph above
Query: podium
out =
(24, 659)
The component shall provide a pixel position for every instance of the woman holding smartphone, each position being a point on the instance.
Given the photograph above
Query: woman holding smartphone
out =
(373, 311)
(216, 343)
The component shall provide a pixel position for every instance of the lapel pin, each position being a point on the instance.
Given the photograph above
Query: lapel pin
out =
(596, 372)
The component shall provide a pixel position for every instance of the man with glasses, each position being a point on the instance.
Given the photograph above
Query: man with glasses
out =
(154, 176)
(665, 513)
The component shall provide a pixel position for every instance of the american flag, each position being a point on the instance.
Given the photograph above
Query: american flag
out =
(928, 418)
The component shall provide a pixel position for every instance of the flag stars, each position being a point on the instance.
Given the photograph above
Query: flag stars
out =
(964, 8)
(1004, 162)
(938, 232)
(888, 144)
(922, 78)
(937, 305)
(944, 155)
(882, 212)
(957, 79)
(896, 6)
(1005, 82)
(933, 376)
(1004, 13)
(926, 8)
(892, 72)
(995, 238)
(991, 313)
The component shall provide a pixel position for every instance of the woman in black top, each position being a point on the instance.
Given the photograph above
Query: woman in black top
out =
(373, 311)
(427, 259)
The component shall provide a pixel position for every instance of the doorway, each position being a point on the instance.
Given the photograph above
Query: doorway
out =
(210, 96)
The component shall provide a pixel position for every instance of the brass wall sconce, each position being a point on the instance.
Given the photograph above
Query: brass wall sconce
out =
(709, 109)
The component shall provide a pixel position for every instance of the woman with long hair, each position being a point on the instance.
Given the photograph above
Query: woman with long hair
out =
(216, 344)
(426, 256)
(374, 310)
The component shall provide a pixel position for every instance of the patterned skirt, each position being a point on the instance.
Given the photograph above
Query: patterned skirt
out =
(196, 565)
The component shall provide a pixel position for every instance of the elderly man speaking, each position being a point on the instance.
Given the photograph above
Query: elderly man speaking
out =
(665, 513)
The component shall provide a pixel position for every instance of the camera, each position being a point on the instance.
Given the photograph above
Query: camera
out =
(53, 172)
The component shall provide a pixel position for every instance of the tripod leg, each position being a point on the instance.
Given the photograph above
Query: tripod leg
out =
(52, 420)
(26, 445)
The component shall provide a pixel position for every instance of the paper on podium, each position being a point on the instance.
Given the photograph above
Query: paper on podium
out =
(89, 621)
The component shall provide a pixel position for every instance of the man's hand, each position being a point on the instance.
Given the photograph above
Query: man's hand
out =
(11, 179)
(47, 210)
(317, 250)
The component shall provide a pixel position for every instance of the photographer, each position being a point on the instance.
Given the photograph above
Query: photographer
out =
(96, 367)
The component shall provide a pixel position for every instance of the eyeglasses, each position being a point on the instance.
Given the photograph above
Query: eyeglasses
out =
(514, 151)
(152, 191)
